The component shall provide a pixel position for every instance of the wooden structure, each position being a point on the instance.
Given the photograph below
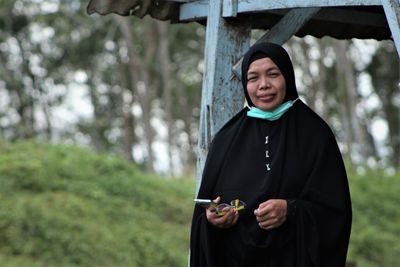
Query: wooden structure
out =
(229, 23)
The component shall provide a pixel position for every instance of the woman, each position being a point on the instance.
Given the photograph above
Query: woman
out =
(282, 160)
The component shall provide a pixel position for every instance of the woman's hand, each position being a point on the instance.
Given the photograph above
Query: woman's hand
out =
(225, 221)
(271, 213)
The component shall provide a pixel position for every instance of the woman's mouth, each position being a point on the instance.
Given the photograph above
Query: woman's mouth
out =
(266, 98)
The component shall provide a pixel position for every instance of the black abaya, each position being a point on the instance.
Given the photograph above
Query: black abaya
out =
(295, 158)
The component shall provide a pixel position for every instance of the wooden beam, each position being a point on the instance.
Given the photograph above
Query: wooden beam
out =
(230, 8)
(263, 5)
(392, 11)
(289, 25)
(283, 30)
(343, 15)
(222, 94)
(197, 9)
(193, 11)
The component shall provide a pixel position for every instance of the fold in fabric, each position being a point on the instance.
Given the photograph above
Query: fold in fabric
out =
(305, 165)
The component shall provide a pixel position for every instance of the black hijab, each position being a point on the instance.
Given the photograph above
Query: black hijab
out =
(295, 157)
(280, 57)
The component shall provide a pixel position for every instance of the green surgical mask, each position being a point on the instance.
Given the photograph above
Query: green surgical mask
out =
(271, 115)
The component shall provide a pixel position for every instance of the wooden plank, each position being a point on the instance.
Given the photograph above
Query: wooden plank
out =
(289, 25)
(263, 5)
(283, 30)
(342, 15)
(392, 11)
(193, 11)
(229, 8)
(222, 94)
(197, 10)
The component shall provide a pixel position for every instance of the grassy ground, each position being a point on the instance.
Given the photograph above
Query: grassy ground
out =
(65, 206)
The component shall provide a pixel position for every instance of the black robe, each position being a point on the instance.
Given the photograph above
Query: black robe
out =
(295, 157)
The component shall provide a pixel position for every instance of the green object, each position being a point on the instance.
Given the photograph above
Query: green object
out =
(271, 115)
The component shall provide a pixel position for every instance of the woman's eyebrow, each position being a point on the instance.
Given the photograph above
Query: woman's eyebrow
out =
(252, 72)
(273, 68)
(267, 70)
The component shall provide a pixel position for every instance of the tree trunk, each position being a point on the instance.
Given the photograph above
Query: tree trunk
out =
(344, 67)
(384, 69)
(189, 119)
(165, 69)
(139, 64)
(99, 128)
(25, 128)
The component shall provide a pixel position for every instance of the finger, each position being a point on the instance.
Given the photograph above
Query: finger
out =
(211, 213)
(214, 204)
(217, 200)
(265, 203)
(268, 224)
(236, 218)
(263, 216)
(231, 219)
(226, 220)
(262, 210)
(272, 223)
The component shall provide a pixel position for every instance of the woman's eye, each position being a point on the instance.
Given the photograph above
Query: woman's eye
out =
(252, 78)
(274, 74)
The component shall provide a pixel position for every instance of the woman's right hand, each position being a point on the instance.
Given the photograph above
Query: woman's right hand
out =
(225, 221)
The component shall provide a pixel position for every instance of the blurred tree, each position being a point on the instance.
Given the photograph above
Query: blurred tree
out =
(357, 141)
(385, 72)
(21, 72)
(141, 79)
(328, 81)
(164, 55)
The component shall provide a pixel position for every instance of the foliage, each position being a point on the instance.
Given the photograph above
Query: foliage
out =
(65, 206)
(65, 75)
(376, 219)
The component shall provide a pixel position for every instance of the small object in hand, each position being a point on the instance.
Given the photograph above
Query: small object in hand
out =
(205, 203)
(221, 209)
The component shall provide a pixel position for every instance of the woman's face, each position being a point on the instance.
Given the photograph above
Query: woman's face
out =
(266, 85)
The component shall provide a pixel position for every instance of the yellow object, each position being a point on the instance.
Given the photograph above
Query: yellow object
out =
(236, 205)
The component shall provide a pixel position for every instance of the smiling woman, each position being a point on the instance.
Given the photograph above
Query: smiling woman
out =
(265, 84)
(282, 160)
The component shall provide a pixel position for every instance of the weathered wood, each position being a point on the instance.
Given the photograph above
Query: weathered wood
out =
(283, 30)
(196, 10)
(392, 11)
(222, 94)
(230, 8)
(289, 25)
(262, 5)
(343, 15)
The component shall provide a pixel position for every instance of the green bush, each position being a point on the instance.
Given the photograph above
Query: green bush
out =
(65, 206)
(376, 219)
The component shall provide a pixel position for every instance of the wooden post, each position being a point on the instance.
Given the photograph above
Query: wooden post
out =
(392, 11)
(222, 95)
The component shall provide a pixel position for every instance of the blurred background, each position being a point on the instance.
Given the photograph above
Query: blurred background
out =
(99, 121)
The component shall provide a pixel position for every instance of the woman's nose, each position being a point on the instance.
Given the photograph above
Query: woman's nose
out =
(264, 83)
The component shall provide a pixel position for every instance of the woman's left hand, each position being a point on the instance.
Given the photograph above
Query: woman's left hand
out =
(271, 213)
